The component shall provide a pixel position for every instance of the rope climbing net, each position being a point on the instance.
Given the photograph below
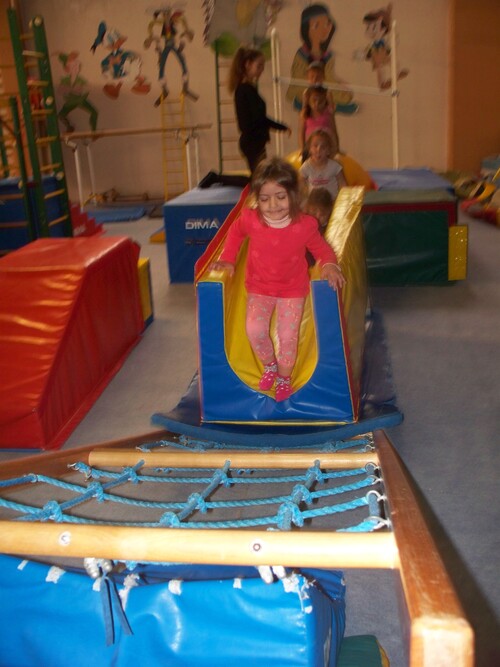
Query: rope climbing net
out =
(222, 497)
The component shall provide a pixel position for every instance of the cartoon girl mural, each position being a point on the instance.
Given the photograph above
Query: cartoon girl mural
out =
(378, 52)
(119, 65)
(317, 28)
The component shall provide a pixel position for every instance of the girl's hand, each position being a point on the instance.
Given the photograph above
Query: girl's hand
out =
(333, 274)
(222, 266)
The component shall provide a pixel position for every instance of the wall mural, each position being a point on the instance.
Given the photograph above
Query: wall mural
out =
(317, 28)
(74, 90)
(169, 32)
(120, 65)
(378, 24)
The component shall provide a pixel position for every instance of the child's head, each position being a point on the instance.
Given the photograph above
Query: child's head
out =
(316, 100)
(248, 63)
(316, 72)
(320, 205)
(319, 146)
(281, 173)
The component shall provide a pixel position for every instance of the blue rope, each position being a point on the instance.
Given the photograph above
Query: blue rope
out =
(288, 514)
(209, 505)
(96, 474)
(55, 511)
(193, 444)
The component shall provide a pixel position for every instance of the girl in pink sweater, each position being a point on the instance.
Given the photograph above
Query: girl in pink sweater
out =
(277, 276)
(317, 114)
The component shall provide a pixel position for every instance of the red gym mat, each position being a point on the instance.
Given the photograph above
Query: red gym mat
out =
(70, 313)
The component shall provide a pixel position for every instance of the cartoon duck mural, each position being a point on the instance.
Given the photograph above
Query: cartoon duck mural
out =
(119, 65)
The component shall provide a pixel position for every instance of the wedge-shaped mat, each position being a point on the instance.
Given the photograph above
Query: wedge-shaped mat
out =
(70, 313)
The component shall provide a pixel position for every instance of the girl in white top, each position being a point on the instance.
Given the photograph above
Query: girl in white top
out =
(320, 170)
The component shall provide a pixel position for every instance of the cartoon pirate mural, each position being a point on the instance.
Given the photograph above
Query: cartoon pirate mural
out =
(377, 28)
(74, 89)
(119, 65)
(168, 32)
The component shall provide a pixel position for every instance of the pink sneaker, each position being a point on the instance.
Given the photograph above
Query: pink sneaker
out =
(268, 377)
(283, 388)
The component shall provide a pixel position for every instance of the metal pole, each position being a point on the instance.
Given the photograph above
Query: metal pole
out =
(394, 102)
(93, 189)
(275, 69)
(78, 168)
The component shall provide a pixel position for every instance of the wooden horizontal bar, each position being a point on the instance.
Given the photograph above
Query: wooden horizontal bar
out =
(33, 54)
(11, 196)
(54, 193)
(221, 547)
(32, 83)
(56, 221)
(12, 225)
(40, 141)
(239, 458)
(50, 167)
(98, 134)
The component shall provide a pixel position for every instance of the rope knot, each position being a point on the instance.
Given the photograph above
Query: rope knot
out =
(196, 501)
(315, 470)
(169, 520)
(301, 492)
(79, 466)
(289, 513)
(132, 474)
(52, 510)
(97, 491)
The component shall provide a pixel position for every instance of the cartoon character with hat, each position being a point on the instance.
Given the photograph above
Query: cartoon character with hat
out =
(168, 31)
(377, 28)
(75, 91)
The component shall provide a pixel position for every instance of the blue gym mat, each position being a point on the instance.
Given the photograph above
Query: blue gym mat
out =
(116, 213)
(378, 408)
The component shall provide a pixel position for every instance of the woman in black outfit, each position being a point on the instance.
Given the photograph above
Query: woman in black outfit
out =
(246, 68)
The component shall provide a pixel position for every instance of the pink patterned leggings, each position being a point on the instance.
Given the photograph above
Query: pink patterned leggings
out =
(289, 315)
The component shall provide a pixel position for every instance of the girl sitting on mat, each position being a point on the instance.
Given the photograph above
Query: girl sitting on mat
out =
(277, 275)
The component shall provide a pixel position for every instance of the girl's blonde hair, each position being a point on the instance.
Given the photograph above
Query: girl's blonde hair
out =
(323, 92)
(282, 172)
(238, 67)
(325, 136)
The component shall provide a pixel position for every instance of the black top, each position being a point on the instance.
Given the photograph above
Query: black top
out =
(251, 114)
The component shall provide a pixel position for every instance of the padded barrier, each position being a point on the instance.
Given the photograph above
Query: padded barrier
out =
(206, 615)
(70, 314)
(409, 236)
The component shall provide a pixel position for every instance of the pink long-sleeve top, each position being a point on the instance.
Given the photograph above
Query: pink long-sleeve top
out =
(276, 262)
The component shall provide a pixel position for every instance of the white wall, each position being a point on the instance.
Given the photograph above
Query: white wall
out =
(133, 165)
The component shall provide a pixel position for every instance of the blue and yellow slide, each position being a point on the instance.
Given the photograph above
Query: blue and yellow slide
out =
(330, 375)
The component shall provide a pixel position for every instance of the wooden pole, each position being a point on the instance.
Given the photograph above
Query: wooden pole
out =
(238, 458)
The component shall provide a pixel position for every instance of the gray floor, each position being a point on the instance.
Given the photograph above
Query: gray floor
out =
(444, 345)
